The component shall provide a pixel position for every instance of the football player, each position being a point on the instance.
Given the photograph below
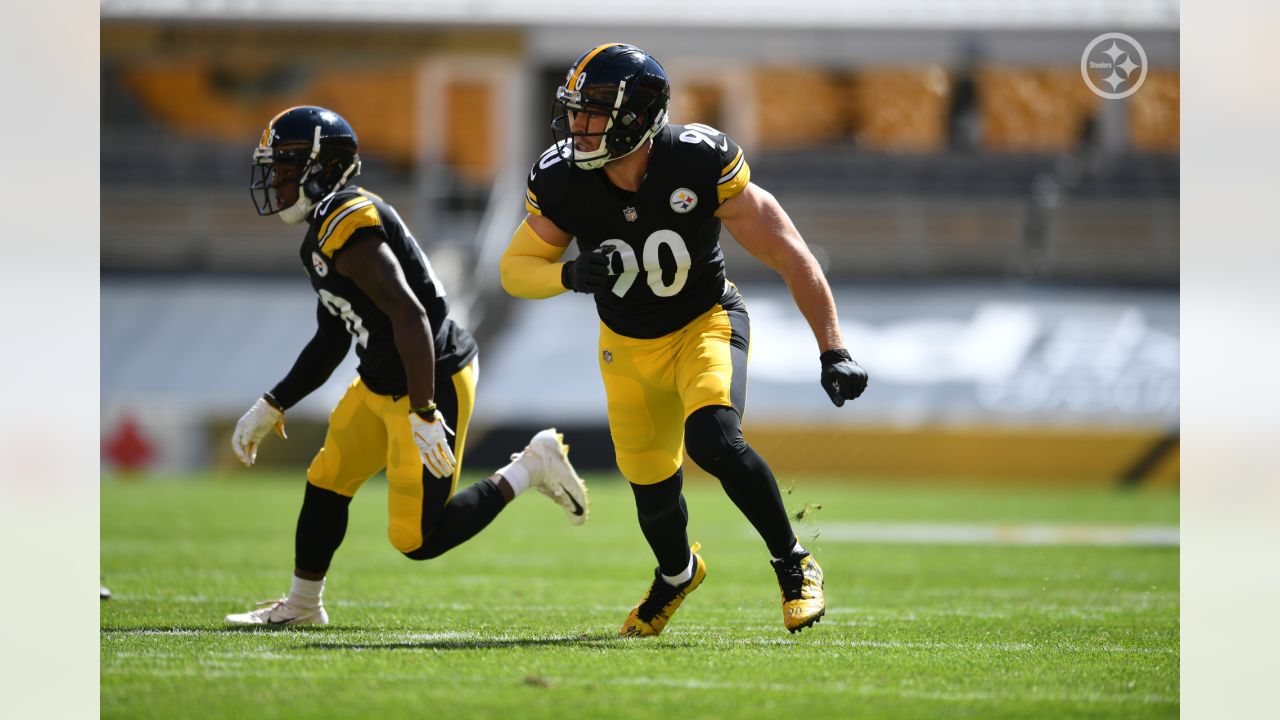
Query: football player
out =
(645, 200)
(409, 408)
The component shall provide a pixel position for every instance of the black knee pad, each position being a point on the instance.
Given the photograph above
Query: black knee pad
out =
(713, 435)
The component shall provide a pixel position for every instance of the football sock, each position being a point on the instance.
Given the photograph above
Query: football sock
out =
(462, 516)
(306, 593)
(322, 523)
(663, 516)
(516, 475)
(682, 578)
(713, 438)
(797, 550)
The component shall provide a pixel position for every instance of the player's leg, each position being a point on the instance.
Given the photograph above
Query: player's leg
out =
(443, 519)
(354, 449)
(645, 422)
(713, 438)
(712, 376)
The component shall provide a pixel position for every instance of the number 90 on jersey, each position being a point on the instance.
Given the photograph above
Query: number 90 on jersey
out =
(650, 264)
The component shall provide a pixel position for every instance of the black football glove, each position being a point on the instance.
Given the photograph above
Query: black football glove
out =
(842, 378)
(588, 274)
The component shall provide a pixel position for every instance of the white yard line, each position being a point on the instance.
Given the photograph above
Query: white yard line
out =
(1000, 534)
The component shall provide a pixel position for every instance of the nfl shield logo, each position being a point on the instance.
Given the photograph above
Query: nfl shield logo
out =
(629, 214)
(608, 356)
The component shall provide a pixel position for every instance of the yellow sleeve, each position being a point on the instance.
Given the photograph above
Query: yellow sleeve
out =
(529, 267)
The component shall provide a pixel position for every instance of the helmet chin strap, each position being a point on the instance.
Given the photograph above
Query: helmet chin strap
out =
(298, 211)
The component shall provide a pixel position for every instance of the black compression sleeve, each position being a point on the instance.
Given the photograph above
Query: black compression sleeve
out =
(316, 362)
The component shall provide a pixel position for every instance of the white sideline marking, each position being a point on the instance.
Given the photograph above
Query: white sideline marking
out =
(1001, 534)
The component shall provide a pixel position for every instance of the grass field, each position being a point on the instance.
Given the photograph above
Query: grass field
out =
(521, 622)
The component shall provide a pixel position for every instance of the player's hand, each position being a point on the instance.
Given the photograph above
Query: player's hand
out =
(842, 378)
(253, 426)
(588, 274)
(429, 434)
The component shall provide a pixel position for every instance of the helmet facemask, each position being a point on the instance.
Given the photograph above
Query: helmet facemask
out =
(307, 173)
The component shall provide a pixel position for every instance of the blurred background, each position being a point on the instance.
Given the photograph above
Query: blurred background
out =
(1002, 242)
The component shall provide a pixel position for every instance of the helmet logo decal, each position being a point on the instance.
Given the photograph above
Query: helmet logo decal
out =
(322, 268)
(683, 200)
(629, 214)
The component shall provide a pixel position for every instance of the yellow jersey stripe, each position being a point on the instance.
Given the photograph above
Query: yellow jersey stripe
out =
(357, 217)
(323, 232)
(577, 70)
(337, 217)
(732, 168)
(735, 183)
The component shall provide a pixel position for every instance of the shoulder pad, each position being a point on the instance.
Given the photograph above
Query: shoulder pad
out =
(721, 152)
(547, 179)
(338, 216)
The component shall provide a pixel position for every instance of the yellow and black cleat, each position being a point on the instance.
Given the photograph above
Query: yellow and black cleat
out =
(800, 578)
(661, 602)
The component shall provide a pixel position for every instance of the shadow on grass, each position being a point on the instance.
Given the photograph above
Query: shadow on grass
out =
(333, 635)
(472, 643)
(216, 629)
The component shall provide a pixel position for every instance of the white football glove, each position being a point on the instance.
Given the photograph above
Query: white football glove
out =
(252, 427)
(433, 443)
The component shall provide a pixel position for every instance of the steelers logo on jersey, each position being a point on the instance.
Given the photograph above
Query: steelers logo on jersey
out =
(683, 200)
(322, 267)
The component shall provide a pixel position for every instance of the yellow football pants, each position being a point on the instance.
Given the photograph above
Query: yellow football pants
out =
(368, 432)
(654, 384)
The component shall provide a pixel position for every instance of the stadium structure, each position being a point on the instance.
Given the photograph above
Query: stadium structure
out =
(1002, 241)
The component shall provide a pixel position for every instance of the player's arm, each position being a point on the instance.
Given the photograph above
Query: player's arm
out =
(374, 269)
(371, 265)
(761, 226)
(530, 266)
(317, 361)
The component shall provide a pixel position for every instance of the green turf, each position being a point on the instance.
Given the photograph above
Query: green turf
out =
(521, 622)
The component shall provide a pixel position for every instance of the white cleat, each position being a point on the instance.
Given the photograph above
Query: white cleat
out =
(555, 477)
(280, 612)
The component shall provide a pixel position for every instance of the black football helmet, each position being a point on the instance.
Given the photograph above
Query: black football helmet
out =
(620, 82)
(308, 149)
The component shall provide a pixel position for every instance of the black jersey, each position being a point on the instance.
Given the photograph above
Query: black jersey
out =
(667, 261)
(353, 213)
